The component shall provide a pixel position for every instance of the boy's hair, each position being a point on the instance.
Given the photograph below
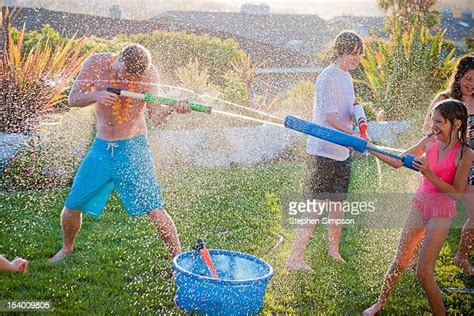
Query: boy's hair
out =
(452, 110)
(454, 88)
(136, 59)
(345, 43)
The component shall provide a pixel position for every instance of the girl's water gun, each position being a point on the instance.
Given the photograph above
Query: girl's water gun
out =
(361, 119)
(147, 97)
(206, 257)
(342, 139)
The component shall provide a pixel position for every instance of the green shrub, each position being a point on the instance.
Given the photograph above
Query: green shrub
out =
(51, 157)
(173, 50)
(196, 78)
(300, 100)
(405, 72)
(33, 82)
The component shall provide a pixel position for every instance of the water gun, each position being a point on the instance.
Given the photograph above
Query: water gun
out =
(361, 119)
(342, 139)
(206, 257)
(147, 97)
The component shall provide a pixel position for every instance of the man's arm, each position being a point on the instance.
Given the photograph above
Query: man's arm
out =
(336, 123)
(158, 112)
(81, 94)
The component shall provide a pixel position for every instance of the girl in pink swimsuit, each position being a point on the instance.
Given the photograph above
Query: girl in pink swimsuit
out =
(444, 159)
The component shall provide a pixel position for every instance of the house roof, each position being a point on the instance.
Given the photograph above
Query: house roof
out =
(457, 28)
(71, 24)
(363, 25)
(304, 33)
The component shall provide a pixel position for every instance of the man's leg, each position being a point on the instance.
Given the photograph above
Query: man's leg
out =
(335, 230)
(296, 261)
(166, 230)
(71, 223)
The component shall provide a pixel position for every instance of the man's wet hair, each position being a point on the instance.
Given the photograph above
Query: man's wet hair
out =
(346, 43)
(136, 58)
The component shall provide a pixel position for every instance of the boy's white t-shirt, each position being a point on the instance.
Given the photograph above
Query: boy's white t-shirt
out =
(334, 93)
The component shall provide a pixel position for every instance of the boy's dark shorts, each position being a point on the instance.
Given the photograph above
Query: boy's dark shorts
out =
(326, 178)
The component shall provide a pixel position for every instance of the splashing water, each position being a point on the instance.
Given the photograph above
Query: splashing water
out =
(247, 118)
(392, 149)
(379, 165)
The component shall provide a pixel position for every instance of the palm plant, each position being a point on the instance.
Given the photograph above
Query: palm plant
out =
(33, 82)
(405, 72)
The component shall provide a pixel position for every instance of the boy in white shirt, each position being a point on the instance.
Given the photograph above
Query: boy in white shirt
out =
(328, 165)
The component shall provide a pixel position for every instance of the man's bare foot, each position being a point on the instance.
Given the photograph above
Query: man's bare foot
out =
(295, 265)
(335, 255)
(465, 265)
(373, 310)
(60, 255)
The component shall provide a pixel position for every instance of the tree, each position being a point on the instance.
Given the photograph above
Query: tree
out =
(470, 41)
(406, 71)
(412, 12)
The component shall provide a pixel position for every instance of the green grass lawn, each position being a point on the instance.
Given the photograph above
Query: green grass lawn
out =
(120, 266)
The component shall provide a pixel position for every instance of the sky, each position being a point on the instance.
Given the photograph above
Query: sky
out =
(323, 8)
(330, 8)
(326, 9)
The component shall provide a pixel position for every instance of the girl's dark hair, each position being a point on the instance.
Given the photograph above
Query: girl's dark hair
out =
(452, 110)
(345, 43)
(454, 88)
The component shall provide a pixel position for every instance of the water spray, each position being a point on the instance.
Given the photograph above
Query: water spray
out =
(342, 139)
(147, 97)
(358, 143)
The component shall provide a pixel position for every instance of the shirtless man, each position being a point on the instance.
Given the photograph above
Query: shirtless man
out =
(120, 156)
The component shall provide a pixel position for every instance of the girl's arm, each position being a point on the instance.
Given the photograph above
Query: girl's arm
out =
(458, 187)
(417, 150)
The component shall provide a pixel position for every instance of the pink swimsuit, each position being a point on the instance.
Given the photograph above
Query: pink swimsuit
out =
(429, 200)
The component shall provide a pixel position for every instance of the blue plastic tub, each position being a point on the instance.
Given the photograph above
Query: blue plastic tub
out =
(239, 290)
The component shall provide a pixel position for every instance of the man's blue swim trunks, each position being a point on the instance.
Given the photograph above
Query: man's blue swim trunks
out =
(125, 165)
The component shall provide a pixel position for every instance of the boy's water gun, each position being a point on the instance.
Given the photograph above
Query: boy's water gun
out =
(361, 119)
(147, 97)
(206, 257)
(340, 138)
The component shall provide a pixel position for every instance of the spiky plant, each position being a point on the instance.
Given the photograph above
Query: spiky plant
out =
(32, 83)
(405, 72)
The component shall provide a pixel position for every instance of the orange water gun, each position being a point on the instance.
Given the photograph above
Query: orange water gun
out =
(206, 257)
(361, 119)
